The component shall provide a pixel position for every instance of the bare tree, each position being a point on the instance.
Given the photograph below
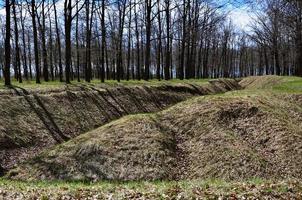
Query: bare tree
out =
(7, 44)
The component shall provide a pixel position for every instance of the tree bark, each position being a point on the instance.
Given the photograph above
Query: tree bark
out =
(7, 45)
(148, 38)
(25, 66)
(36, 49)
(168, 53)
(18, 61)
(58, 43)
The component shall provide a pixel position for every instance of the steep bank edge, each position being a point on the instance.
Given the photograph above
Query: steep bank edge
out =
(32, 121)
(212, 137)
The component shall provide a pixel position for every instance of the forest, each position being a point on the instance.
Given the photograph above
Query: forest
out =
(133, 39)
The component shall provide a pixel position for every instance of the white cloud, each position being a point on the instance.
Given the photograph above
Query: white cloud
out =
(241, 18)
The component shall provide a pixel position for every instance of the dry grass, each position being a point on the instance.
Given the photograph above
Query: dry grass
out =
(210, 146)
(131, 148)
(38, 118)
(237, 138)
(231, 137)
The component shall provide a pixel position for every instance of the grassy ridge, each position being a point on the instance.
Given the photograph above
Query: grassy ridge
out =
(57, 84)
(207, 189)
(233, 136)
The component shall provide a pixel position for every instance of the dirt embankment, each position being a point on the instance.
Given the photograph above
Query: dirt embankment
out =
(34, 120)
(224, 137)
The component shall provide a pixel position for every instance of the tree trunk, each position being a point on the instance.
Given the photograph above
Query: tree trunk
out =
(36, 49)
(68, 20)
(18, 61)
(25, 66)
(148, 38)
(29, 56)
(7, 45)
(159, 45)
(58, 43)
(168, 53)
(138, 74)
(129, 43)
(51, 49)
(77, 46)
(89, 17)
(103, 44)
(43, 39)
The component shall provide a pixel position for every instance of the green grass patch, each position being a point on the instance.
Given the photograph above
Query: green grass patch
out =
(205, 189)
(126, 184)
(57, 84)
(289, 85)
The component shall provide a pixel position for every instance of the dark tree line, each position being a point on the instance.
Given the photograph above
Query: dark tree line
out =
(70, 40)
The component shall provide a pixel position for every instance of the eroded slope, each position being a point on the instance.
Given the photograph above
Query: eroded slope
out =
(231, 137)
(34, 120)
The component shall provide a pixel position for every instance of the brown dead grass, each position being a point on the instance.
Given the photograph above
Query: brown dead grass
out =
(32, 120)
(237, 138)
(225, 137)
(131, 148)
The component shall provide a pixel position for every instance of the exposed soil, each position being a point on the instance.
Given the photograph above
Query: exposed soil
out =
(211, 137)
(33, 120)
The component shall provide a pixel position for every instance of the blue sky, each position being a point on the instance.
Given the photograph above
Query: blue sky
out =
(238, 12)
(241, 17)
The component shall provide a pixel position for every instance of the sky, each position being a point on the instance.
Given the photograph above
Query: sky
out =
(241, 17)
(239, 12)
